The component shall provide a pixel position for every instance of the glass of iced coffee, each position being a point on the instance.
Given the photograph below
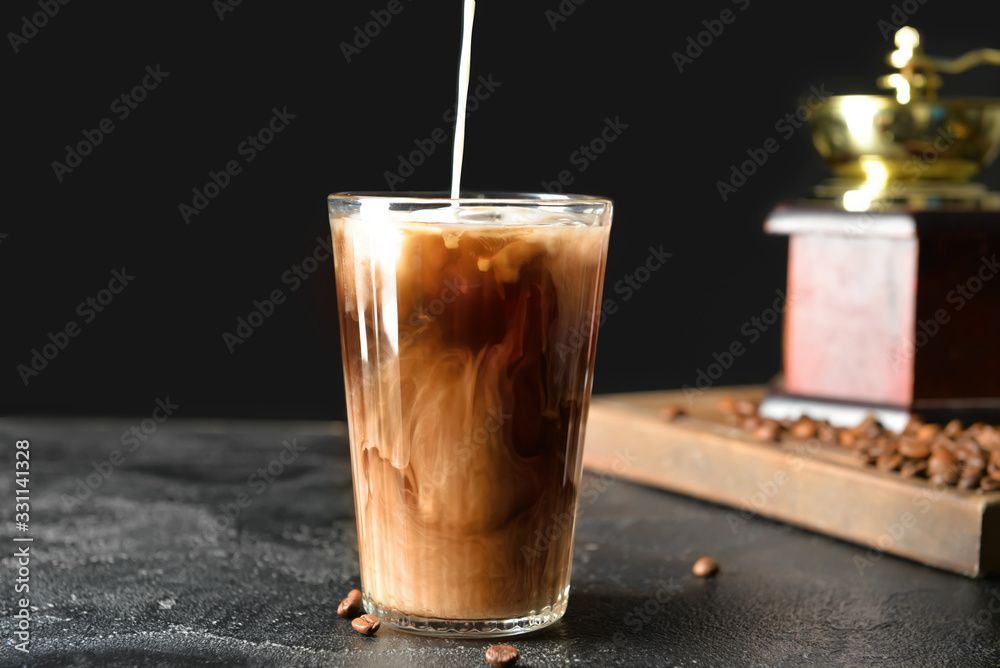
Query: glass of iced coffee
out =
(468, 328)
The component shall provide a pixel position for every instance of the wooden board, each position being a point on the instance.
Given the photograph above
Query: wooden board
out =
(818, 487)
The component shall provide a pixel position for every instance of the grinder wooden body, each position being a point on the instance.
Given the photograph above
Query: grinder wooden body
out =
(899, 310)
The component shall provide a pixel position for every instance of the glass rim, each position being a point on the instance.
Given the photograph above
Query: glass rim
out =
(485, 198)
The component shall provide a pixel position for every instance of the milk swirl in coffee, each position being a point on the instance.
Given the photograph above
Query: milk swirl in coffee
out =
(468, 353)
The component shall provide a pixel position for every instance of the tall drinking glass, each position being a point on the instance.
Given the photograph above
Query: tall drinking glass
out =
(468, 329)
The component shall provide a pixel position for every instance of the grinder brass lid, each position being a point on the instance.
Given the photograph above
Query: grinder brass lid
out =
(912, 140)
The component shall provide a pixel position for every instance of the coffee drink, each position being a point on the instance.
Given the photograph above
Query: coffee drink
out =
(468, 339)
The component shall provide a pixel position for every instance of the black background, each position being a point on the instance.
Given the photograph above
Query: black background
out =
(162, 336)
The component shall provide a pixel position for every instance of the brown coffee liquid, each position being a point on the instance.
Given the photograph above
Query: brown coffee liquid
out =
(468, 354)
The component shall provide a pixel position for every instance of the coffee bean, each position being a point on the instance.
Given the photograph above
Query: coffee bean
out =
(868, 428)
(501, 656)
(803, 429)
(727, 405)
(943, 467)
(913, 449)
(953, 428)
(913, 467)
(889, 461)
(882, 445)
(993, 467)
(944, 479)
(975, 429)
(732, 419)
(942, 443)
(366, 624)
(847, 439)
(966, 449)
(976, 460)
(864, 457)
(969, 481)
(989, 438)
(941, 461)
(705, 567)
(927, 432)
(767, 430)
(826, 432)
(913, 425)
(966, 442)
(350, 606)
(751, 423)
(668, 413)
(746, 407)
(865, 445)
(989, 484)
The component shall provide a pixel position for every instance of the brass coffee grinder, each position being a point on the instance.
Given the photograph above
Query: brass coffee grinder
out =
(894, 264)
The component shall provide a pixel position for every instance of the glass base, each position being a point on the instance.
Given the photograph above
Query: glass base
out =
(493, 628)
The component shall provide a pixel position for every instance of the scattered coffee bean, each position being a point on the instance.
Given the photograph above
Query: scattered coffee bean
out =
(989, 484)
(942, 462)
(965, 447)
(732, 419)
(848, 439)
(975, 462)
(864, 444)
(864, 457)
(969, 481)
(913, 467)
(943, 479)
(767, 430)
(989, 438)
(366, 624)
(501, 656)
(950, 455)
(350, 606)
(993, 466)
(943, 443)
(976, 428)
(914, 449)
(803, 429)
(826, 432)
(889, 461)
(868, 428)
(668, 413)
(705, 567)
(882, 445)
(927, 432)
(943, 468)
(913, 425)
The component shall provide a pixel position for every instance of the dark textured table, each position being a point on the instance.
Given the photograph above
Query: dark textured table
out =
(138, 565)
